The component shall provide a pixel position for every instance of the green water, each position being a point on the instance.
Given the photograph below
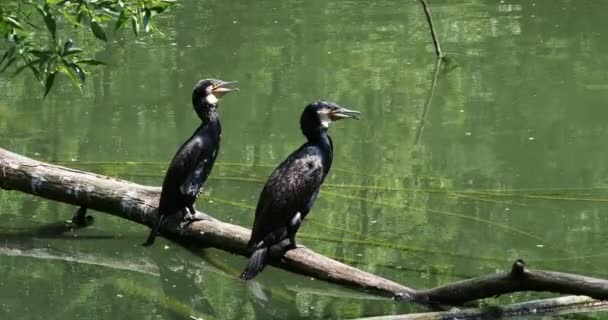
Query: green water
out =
(506, 161)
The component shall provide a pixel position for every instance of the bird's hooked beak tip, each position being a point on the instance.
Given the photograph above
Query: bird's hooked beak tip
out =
(225, 87)
(343, 113)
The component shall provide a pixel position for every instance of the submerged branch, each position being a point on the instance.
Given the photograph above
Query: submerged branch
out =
(138, 203)
(545, 307)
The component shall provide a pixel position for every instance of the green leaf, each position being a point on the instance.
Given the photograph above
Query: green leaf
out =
(122, 19)
(49, 19)
(81, 16)
(35, 70)
(69, 44)
(8, 63)
(13, 22)
(79, 72)
(91, 62)
(68, 48)
(73, 71)
(106, 4)
(67, 69)
(71, 17)
(135, 24)
(42, 55)
(147, 15)
(48, 84)
(72, 51)
(98, 30)
(159, 9)
(8, 54)
(18, 71)
(31, 66)
(161, 6)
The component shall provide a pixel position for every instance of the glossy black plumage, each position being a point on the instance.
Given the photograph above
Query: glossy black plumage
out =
(194, 160)
(293, 187)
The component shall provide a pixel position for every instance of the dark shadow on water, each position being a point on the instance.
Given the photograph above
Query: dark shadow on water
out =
(53, 230)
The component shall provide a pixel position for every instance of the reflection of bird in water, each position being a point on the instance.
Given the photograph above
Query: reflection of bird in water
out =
(194, 160)
(282, 307)
(181, 287)
(294, 185)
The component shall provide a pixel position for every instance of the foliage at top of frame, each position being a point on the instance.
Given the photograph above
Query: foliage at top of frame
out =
(23, 23)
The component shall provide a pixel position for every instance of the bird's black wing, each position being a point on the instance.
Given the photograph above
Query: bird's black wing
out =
(205, 155)
(182, 164)
(290, 189)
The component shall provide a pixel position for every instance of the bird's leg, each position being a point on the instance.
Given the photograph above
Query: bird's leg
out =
(293, 244)
(294, 225)
(191, 215)
(80, 217)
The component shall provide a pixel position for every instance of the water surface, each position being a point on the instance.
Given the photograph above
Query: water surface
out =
(506, 161)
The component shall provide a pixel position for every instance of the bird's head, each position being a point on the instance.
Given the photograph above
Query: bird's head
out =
(320, 114)
(207, 92)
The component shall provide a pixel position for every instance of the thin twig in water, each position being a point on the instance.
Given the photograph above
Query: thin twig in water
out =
(429, 19)
(429, 99)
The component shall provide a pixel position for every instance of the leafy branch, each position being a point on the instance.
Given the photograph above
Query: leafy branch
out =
(23, 24)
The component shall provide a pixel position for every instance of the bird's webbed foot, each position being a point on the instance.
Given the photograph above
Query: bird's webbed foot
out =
(293, 245)
(197, 216)
(192, 215)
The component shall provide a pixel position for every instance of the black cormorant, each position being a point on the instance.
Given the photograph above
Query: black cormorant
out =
(194, 160)
(294, 185)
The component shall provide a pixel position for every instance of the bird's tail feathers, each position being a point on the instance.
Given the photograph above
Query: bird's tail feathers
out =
(256, 263)
(154, 232)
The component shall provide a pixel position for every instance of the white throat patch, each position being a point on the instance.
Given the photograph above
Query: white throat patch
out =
(325, 120)
(211, 99)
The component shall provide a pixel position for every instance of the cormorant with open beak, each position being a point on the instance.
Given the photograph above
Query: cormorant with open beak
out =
(194, 160)
(294, 185)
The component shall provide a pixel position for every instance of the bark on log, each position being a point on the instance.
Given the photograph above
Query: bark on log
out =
(518, 279)
(138, 203)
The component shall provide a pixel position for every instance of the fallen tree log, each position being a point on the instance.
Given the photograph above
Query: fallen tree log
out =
(138, 203)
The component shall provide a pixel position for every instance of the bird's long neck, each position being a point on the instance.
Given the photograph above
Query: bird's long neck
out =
(322, 140)
(206, 112)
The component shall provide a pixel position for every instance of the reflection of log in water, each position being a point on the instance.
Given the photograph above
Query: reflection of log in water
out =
(17, 249)
(138, 203)
(557, 306)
